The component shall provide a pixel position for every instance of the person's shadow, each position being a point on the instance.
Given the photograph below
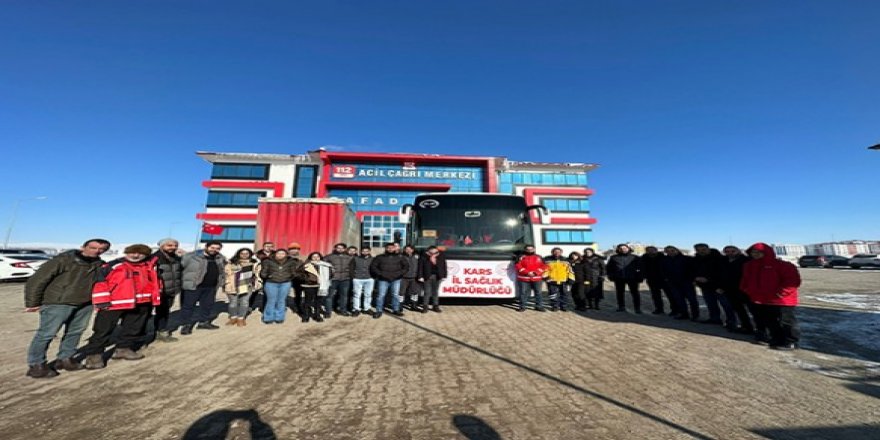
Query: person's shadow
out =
(474, 428)
(216, 425)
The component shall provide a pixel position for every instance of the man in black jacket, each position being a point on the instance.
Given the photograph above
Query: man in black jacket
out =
(61, 290)
(730, 277)
(625, 269)
(389, 268)
(652, 261)
(170, 271)
(707, 265)
(340, 283)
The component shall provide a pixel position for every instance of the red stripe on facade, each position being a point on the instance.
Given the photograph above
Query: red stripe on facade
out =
(276, 187)
(572, 221)
(325, 175)
(226, 216)
(389, 185)
(491, 177)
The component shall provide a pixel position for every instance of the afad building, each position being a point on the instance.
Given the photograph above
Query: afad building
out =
(376, 185)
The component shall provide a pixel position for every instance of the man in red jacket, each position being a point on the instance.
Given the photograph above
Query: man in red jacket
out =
(126, 291)
(530, 270)
(772, 285)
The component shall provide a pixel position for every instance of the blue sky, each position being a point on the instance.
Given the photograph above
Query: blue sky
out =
(711, 120)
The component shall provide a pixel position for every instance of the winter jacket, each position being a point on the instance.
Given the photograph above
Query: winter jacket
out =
(65, 279)
(590, 271)
(678, 270)
(708, 266)
(122, 285)
(559, 270)
(389, 267)
(170, 271)
(770, 281)
(413, 261)
(195, 265)
(425, 268)
(530, 263)
(316, 274)
(241, 277)
(360, 267)
(730, 273)
(341, 265)
(273, 271)
(625, 267)
(653, 266)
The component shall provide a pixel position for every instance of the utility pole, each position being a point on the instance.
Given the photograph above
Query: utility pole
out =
(14, 214)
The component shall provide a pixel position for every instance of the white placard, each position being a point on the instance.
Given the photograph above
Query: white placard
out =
(479, 279)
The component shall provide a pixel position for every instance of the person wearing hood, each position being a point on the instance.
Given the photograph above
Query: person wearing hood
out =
(203, 275)
(772, 285)
(625, 269)
(316, 276)
(126, 292)
(61, 291)
(530, 269)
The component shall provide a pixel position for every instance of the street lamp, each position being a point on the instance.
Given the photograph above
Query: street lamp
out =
(14, 213)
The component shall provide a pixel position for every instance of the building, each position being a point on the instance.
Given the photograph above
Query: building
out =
(376, 185)
(790, 251)
(844, 248)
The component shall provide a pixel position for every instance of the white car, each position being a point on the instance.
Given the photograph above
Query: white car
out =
(864, 260)
(33, 260)
(14, 268)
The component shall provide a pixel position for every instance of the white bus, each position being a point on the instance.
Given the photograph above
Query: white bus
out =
(481, 235)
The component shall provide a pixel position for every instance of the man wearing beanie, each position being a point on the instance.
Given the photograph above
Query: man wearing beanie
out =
(126, 291)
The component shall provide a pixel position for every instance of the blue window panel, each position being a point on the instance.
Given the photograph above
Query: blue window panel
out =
(240, 171)
(567, 236)
(571, 179)
(244, 199)
(552, 237)
(559, 179)
(240, 234)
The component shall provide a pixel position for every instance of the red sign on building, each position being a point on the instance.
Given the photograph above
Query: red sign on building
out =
(344, 171)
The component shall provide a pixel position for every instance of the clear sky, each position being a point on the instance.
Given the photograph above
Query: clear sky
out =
(711, 120)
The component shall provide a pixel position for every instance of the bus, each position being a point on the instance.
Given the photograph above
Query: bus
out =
(481, 235)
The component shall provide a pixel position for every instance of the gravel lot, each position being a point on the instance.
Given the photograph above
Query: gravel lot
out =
(474, 371)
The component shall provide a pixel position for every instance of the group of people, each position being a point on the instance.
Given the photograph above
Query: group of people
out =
(128, 292)
(756, 292)
(757, 295)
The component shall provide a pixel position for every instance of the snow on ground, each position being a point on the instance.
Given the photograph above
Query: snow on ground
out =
(861, 301)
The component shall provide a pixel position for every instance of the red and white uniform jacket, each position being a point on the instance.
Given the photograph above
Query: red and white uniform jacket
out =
(123, 284)
(530, 263)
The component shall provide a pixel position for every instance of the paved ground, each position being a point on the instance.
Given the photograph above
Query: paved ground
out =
(477, 372)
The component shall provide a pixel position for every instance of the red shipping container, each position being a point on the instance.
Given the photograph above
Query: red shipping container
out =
(316, 224)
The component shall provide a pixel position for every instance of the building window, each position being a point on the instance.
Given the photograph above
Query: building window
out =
(566, 204)
(305, 182)
(567, 236)
(544, 179)
(381, 229)
(233, 234)
(234, 199)
(240, 171)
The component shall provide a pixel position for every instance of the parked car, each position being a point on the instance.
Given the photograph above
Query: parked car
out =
(33, 260)
(827, 261)
(17, 251)
(13, 268)
(864, 260)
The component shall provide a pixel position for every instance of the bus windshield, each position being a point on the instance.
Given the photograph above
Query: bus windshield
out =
(469, 225)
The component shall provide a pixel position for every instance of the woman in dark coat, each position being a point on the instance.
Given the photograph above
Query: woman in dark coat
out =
(431, 271)
(589, 275)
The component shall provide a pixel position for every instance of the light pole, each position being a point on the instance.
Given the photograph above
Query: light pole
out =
(14, 213)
